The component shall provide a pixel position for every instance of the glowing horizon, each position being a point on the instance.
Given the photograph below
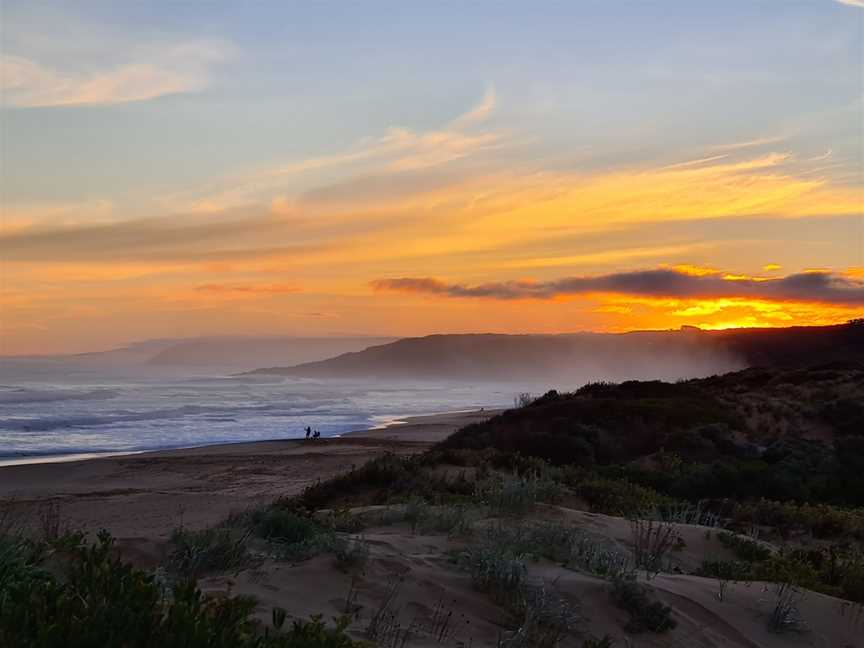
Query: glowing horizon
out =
(308, 170)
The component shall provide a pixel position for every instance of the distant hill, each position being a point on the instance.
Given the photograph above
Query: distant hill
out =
(245, 352)
(559, 359)
(217, 352)
(578, 358)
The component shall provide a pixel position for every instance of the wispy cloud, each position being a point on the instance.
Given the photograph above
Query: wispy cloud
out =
(478, 113)
(402, 148)
(852, 3)
(818, 286)
(181, 68)
(396, 151)
(758, 141)
(186, 238)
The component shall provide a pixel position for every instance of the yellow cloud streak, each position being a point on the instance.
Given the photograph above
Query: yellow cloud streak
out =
(507, 209)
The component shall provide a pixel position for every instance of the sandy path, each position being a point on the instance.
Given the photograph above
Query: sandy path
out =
(147, 495)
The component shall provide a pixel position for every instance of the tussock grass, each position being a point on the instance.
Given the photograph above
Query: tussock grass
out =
(546, 619)
(496, 571)
(785, 615)
(217, 549)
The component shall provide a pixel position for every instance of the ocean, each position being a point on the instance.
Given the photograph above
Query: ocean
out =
(50, 410)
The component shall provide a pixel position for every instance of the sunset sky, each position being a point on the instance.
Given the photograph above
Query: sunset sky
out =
(174, 169)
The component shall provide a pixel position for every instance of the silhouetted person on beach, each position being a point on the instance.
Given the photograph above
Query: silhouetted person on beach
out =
(308, 431)
(316, 434)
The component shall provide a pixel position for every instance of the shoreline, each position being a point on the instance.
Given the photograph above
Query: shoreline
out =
(144, 496)
(388, 422)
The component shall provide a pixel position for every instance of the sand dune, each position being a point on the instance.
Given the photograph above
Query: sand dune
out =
(421, 564)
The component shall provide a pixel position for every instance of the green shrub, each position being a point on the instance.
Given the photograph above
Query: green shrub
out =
(386, 479)
(285, 527)
(455, 520)
(85, 596)
(516, 495)
(292, 536)
(342, 519)
(744, 548)
(605, 642)
(617, 496)
(645, 614)
(782, 567)
(727, 570)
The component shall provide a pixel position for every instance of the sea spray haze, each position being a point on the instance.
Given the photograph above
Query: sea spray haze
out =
(173, 393)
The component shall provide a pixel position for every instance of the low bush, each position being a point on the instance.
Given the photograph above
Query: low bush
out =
(616, 496)
(383, 480)
(455, 520)
(819, 520)
(516, 495)
(726, 570)
(744, 548)
(285, 527)
(645, 614)
(604, 642)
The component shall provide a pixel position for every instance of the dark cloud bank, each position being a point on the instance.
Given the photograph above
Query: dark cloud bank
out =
(822, 287)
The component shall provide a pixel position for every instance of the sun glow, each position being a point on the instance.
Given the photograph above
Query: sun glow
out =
(720, 313)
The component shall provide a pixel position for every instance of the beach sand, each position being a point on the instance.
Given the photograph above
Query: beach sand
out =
(145, 496)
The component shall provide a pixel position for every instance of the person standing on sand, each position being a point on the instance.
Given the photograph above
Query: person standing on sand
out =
(308, 431)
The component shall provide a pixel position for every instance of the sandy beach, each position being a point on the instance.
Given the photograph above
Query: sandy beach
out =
(145, 496)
